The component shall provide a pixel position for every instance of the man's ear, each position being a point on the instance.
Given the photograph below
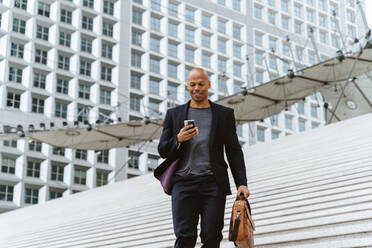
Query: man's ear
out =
(209, 84)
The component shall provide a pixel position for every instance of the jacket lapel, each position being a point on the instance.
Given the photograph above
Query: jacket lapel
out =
(214, 124)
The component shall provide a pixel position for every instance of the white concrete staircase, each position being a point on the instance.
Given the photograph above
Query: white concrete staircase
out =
(308, 190)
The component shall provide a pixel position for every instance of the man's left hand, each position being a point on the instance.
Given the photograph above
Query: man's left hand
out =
(243, 189)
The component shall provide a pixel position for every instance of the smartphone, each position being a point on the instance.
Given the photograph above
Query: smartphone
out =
(188, 122)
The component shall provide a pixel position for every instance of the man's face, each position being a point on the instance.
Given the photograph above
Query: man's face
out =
(198, 85)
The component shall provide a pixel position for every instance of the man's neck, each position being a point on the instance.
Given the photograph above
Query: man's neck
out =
(204, 104)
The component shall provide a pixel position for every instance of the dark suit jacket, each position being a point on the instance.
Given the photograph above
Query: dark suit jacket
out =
(223, 133)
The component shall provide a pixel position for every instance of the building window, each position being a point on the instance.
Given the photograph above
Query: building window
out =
(86, 45)
(310, 16)
(288, 122)
(87, 23)
(43, 9)
(84, 91)
(39, 80)
(189, 55)
(105, 96)
(22, 4)
(351, 32)
(106, 73)
(88, 3)
(274, 120)
(58, 151)
(237, 88)
(323, 37)
(285, 22)
(259, 77)
(272, 18)
(108, 29)
(206, 60)
(103, 156)
(284, 6)
(221, 65)
(8, 165)
(258, 40)
(237, 70)
(274, 135)
(136, 59)
(190, 15)
(152, 162)
(133, 159)
(272, 63)
(172, 91)
(19, 25)
(41, 56)
(221, 27)
(62, 86)
(172, 9)
(301, 108)
(65, 39)
(83, 114)
(172, 70)
(6, 192)
(222, 46)
(60, 110)
(10, 143)
(258, 58)
(298, 11)
(102, 178)
(206, 40)
(322, 5)
(17, 50)
(81, 154)
(236, 32)
(42, 32)
(155, 23)
(298, 27)
(13, 100)
(31, 195)
(314, 111)
(37, 105)
(33, 169)
(54, 194)
(222, 85)
(106, 51)
(172, 50)
(206, 21)
(137, 17)
(190, 35)
(154, 87)
(172, 29)
(154, 65)
(350, 16)
(85, 67)
(63, 62)
(80, 176)
(154, 44)
(135, 81)
(136, 38)
(35, 146)
(66, 16)
(154, 108)
(236, 5)
(135, 103)
(258, 12)
(301, 125)
(260, 134)
(108, 7)
(156, 4)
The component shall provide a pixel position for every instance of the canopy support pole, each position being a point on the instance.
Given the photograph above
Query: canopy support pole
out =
(250, 80)
(292, 54)
(362, 93)
(346, 83)
(339, 30)
(361, 10)
(267, 67)
(314, 44)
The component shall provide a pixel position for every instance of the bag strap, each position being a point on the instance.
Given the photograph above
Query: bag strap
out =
(234, 233)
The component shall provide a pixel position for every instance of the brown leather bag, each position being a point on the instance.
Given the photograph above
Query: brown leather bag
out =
(241, 224)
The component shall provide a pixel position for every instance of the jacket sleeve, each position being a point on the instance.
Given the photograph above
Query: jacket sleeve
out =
(168, 139)
(234, 152)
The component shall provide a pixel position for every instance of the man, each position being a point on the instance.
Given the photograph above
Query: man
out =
(200, 183)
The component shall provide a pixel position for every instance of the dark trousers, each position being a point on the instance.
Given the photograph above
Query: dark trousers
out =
(192, 197)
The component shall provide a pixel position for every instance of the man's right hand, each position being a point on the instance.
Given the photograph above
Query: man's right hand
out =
(187, 133)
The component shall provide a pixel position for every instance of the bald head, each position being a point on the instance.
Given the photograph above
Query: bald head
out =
(197, 73)
(198, 85)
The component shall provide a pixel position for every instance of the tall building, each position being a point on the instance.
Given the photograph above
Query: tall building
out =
(86, 60)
